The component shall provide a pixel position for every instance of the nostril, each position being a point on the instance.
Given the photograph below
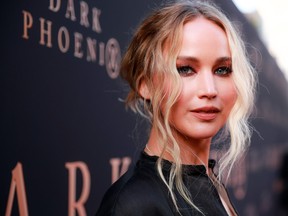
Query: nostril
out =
(207, 86)
(208, 93)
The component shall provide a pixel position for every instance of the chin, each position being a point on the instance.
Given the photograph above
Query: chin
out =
(197, 133)
(201, 135)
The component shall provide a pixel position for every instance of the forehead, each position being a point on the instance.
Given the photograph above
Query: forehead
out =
(205, 38)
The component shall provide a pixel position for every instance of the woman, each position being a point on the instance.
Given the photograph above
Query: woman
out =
(188, 73)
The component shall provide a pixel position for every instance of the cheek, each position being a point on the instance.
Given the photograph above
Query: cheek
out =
(169, 97)
(230, 96)
(183, 103)
(187, 91)
(185, 95)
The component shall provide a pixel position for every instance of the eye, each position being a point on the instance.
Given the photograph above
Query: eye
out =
(223, 71)
(185, 70)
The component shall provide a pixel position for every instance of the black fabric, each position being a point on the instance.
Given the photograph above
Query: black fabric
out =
(141, 192)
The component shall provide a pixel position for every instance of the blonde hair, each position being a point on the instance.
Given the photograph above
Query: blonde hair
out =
(147, 56)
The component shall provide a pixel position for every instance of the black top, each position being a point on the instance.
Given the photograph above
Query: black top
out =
(141, 192)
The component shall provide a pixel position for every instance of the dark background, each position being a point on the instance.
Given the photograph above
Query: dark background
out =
(56, 108)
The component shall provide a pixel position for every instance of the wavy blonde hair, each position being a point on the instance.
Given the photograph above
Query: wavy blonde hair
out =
(147, 56)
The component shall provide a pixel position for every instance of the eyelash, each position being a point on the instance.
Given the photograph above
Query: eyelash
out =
(226, 71)
(185, 70)
(188, 70)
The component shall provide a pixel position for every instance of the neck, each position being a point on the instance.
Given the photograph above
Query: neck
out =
(192, 151)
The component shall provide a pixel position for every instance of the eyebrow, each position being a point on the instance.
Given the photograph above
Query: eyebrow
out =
(193, 59)
(224, 60)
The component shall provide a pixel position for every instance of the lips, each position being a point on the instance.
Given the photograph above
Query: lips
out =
(206, 113)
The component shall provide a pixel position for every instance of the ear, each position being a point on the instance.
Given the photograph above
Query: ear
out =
(144, 90)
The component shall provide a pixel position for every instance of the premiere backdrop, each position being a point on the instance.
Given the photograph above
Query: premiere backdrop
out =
(65, 135)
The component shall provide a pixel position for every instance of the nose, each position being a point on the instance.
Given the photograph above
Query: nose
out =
(207, 85)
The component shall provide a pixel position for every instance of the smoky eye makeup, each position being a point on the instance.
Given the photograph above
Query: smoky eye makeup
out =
(223, 66)
(185, 70)
(223, 70)
(186, 66)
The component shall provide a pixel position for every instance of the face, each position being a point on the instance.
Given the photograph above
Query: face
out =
(208, 92)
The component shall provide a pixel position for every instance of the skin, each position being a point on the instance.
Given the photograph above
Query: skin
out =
(208, 91)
